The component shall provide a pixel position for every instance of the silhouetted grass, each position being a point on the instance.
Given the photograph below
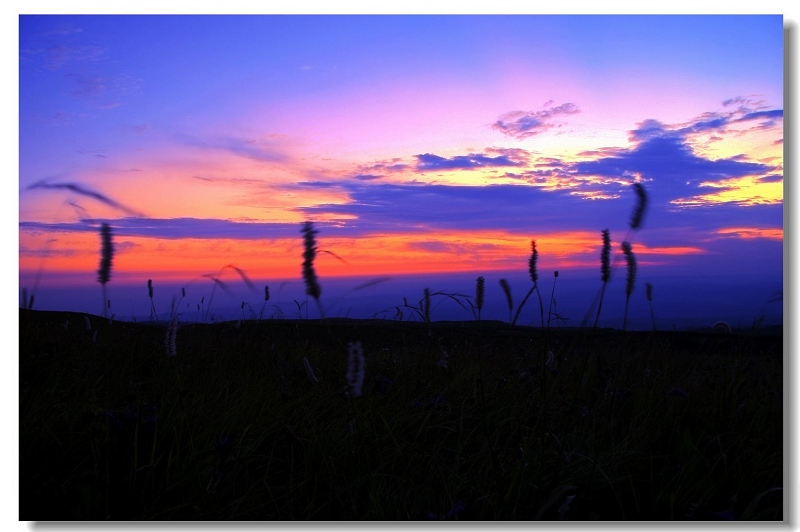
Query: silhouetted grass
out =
(634, 426)
(338, 419)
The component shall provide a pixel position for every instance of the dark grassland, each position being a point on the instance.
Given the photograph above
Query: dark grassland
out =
(620, 426)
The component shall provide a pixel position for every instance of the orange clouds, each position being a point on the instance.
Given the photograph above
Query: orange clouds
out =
(752, 232)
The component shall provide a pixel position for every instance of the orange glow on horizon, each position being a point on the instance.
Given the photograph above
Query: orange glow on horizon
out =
(752, 232)
(377, 255)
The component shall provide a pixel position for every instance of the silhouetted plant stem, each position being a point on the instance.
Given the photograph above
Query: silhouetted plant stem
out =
(552, 298)
(266, 298)
(519, 308)
(217, 281)
(649, 290)
(631, 260)
(106, 255)
(309, 275)
(507, 291)
(605, 271)
(479, 292)
(152, 304)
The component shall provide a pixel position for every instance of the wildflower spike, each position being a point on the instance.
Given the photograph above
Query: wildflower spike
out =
(310, 371)
(356, 369)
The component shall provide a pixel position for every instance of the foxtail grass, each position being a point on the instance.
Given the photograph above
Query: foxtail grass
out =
(507, 291)
(641, 206)
(356, 369)
(479, 294)
(106, 256)
(266, 299)
(170, 340)
(605, 271)
(630, 280)
(552, 299)
(152, 304)
(313, 288)
(534, 275)
(649, 291)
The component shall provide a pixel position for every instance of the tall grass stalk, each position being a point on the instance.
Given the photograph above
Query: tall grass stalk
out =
(152, 304)
(507, 291)
(649, 291)
(641, 207)
(535, 288)
(106, 256)
(266, 298)
(535, 278)
(309, 254)
(605, 271)
(218, 282)
(629, 283)
(479, 293)
(356, 369)
(552, 298)
(634, 224)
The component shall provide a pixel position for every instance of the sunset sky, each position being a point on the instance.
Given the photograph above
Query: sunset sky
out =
(418, 145)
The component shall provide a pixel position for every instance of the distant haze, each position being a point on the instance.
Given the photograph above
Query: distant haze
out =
(678, 303)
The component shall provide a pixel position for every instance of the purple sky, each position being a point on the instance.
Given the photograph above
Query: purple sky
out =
(419, 146)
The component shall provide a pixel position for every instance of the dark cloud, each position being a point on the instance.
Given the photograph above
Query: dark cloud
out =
(429, 161)
(774, 113)
(521, 124)
(718, 122)
(318, 184)
(378, 169)
(667, 160)
(771, 178)
(409, 207)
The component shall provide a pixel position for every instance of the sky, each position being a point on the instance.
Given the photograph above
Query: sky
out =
(427, 150)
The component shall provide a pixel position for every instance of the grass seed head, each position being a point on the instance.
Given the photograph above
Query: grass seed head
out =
(641, 206)
(106, 254)
(356, 369)
(479, 292)
(532, 262)
(170, 339)
(605, 257)
(309, 253)
(310, 371)
(507, 291)
(631, 260)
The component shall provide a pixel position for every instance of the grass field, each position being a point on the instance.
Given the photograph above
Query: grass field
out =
(458, 421)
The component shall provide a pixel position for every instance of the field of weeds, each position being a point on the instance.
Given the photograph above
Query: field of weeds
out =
(260, 420)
